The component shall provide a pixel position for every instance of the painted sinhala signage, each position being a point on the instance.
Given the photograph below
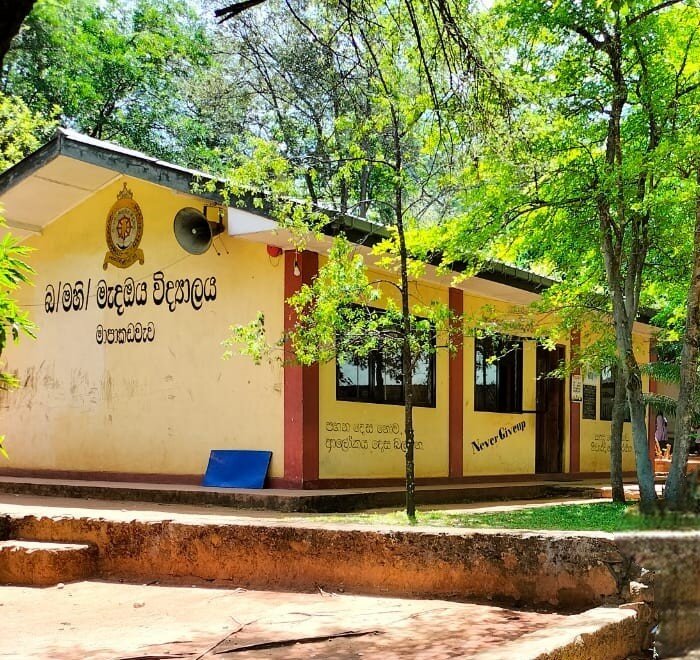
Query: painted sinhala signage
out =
(123, 233)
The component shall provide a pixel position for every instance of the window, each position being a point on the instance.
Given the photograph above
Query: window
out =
(498, 375)
(376, 378)
(607, 396)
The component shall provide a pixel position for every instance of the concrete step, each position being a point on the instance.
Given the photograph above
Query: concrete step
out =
(41, 564)
(300, 501)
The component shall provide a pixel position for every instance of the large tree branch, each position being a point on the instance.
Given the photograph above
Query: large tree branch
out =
(12, 15)
(598, 44)
(232, 10)
(426, 66)
(652, 10)
(686, 52)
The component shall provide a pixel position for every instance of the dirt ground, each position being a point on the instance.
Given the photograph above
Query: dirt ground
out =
(102, 620)
(21, 505)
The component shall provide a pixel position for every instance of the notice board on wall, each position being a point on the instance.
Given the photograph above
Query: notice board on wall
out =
(589, 401)
(576, 388)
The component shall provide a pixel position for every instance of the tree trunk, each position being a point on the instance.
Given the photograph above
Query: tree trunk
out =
(406, 357)
(407, 374)
(676, 483)
(640, 441)
(618, 420)
(12, 15)
(623, 316)
(624, 287)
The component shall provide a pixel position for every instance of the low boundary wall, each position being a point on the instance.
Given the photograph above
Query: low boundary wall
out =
(673, 560)
(534, 569)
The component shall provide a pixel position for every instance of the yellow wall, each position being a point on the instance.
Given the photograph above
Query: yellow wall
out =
(155, 407)
(509, 449)
(375, 432)
(486, 451)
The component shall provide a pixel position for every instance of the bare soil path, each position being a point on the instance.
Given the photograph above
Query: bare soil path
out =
(102, 620)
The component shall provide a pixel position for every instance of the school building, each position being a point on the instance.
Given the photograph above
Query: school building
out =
(126, 381)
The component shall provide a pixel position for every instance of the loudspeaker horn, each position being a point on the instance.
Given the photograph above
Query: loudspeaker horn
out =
(194, 232)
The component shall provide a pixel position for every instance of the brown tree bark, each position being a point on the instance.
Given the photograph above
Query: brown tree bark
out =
(625, 286)
(676, 483)
(12, 15)
(406, 357)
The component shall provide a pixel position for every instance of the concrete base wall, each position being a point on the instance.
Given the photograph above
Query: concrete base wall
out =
(543, 570)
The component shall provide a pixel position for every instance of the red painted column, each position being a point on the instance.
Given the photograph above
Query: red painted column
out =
(456, 387)
(651, 418)
(301, 384)
(574, 414)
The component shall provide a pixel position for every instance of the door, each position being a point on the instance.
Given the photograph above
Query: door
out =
(550, 413)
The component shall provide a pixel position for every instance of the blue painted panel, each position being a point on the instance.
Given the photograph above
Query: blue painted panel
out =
(237, 468)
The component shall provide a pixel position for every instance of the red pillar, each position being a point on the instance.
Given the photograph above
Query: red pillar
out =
(574, 414)
(300, 385)
(456, 387)
(651, 419)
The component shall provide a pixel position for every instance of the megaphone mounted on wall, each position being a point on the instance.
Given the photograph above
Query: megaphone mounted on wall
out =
(194, 231)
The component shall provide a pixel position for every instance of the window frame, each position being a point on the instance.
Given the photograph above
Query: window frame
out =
(374, 360)
(480, 400)
(607, 385)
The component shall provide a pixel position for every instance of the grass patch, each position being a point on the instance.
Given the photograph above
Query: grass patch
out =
(597, 516)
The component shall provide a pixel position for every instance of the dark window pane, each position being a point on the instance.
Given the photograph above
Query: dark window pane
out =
(498, 377)
(346, 378)
(362, 380)
(376, 378)
(607, 396)
(392, 391)
(423, 382)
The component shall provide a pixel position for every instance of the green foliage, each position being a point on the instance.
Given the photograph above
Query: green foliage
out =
(334, 312)
(344, 315)
(304, 96)
(368, 118)
(373, 128)
(665, 372)
(593, 180)
(21, 130)
(362, 120)
(262, 177)
(249, 340)
(662, 404)
(669, 372)
(14, 271)
(537, 182)
(324, 101)
(118, 71)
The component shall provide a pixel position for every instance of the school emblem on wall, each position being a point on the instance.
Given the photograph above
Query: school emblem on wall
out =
(124, 231)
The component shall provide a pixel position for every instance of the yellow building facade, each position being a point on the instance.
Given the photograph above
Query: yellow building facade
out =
(126, 380)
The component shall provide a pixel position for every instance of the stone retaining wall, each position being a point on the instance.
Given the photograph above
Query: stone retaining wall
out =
(534, 569)
(674, 560)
